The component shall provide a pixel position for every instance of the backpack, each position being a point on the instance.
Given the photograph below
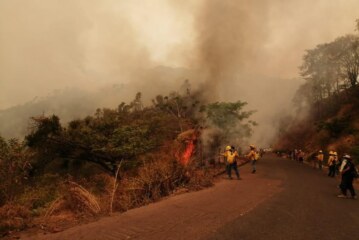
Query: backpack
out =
(353, 170)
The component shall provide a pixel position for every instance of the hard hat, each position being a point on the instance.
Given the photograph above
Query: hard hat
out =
(347, 156)
(252, 146)
(335, 154)
(228, 148)
(320, 151)
(331, 153)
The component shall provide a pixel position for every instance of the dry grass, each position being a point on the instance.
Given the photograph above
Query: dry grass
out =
(160, 175)
(82, 200)
(77, 199)
(154, 180)
(13, 217)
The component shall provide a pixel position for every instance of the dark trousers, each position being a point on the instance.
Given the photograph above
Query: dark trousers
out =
(229, 169)
(331, 171)
(347, 184)
(254, 162)
(320, 163)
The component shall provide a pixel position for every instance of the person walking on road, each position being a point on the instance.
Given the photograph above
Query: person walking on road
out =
(231, 155)
(253, 157)
(348, 172)
(320, 158)
(331, 164)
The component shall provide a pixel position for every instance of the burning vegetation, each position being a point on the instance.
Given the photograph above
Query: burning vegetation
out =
(116, 159)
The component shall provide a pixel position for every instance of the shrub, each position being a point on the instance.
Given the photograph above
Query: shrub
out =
(15, 164)
(13, 216)
(336, 126)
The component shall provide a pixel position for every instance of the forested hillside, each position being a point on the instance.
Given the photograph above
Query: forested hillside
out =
(327, 104)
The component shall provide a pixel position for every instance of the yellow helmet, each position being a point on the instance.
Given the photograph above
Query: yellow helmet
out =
(320, 151)
(331, 153)
(252, 146)
(335, 153)
(228, 148)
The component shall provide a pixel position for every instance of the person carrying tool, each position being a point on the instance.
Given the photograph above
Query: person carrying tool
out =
(331, 164)
(253, 157)
(348, 172)
(230, 154)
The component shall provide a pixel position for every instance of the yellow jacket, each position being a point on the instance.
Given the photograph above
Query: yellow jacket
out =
(252, 155)
(320, 157)
(231, 156)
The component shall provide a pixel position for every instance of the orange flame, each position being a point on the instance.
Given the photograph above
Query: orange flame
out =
(187, 153)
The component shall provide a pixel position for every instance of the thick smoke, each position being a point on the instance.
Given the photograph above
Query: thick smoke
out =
(234, 50)
(225, 41)
(250, 50)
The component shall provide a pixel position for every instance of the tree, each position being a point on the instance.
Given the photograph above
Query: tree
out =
(184, 107)
(329, 67)
(15, 165)
(346, 50)
(230, 119)
(321, 70)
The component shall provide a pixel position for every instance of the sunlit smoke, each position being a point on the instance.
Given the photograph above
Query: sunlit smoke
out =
(234, 50)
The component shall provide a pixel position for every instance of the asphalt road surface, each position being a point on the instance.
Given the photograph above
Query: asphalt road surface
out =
(306, 208)
(283, 200)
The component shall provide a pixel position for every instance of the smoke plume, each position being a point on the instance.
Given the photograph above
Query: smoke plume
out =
(231, 50)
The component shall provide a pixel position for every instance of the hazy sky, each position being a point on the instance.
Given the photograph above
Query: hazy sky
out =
(248, 49)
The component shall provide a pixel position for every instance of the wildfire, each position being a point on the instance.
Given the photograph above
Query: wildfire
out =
(186, 146)
(187, 153)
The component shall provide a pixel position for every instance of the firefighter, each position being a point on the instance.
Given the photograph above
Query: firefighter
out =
(348, 172)
(320, 158)
(253, 157)
(331, 164)
(231, 161)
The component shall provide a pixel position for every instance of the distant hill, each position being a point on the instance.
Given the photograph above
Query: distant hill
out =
(72, 103)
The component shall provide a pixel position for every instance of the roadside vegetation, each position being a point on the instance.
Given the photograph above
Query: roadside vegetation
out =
(114, 160)
(327, 104)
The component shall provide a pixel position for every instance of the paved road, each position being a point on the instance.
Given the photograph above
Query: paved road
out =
(306, 208)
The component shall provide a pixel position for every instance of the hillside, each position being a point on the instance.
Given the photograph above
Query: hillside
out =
(75, 103)
(331, 126)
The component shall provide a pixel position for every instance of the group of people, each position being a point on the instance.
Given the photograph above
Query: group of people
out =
(231, 156)
(336, 166)
(298, 155)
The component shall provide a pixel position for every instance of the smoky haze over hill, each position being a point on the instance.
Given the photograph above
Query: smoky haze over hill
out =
(247, 50)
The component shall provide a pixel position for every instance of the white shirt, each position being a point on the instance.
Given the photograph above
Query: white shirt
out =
(344, 162)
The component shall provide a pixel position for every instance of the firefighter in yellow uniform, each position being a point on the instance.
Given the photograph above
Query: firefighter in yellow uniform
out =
(231, 159)
(253, 157)
(331, 164)
(320, 159)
